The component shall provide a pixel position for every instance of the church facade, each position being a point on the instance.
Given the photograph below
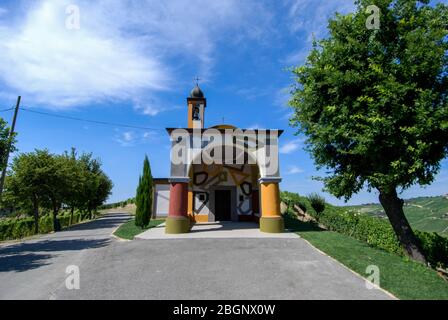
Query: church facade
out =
(219, 173)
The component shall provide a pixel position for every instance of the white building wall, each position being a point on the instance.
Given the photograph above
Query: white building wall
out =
(162, 199)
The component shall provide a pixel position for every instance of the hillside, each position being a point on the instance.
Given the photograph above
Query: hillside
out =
(424, 213)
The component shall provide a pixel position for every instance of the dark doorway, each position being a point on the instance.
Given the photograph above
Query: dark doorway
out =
(255, 202)
(223, 205)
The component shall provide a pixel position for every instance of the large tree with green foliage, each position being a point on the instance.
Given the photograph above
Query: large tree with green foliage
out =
(96, 184)
(47, 181)
(30, 176)
(143, 199)
(373, 104)
(76, 174)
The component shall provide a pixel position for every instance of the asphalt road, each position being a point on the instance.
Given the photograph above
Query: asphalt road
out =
(172, 269)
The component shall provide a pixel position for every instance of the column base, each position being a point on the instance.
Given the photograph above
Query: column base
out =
(175, 225)
(272, 224)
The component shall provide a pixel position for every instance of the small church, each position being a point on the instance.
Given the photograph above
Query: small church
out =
(219, 173)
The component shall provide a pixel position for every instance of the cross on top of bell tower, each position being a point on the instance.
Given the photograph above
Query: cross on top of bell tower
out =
(197, 92)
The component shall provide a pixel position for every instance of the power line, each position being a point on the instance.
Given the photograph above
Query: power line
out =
(9, 109)
(89, 120)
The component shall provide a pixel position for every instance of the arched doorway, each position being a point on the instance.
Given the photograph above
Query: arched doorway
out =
(222, 192)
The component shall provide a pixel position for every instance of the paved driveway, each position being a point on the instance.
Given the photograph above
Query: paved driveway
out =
(242, 268)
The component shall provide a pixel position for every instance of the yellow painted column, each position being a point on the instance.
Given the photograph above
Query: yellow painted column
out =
(190, 206)
(271, 220)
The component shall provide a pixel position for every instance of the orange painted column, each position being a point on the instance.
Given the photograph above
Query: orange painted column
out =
(271, 220)
(177, 220)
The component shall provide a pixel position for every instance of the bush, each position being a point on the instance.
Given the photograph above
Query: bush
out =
(317, 202)
(12, 229)
(375, 231)
(435, 248)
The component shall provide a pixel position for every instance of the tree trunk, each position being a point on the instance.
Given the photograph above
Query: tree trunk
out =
(36, 216)
(56, 225)
(393, 206)
(72, 210)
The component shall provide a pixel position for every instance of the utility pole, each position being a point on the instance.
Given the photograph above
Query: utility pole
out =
(11, 138)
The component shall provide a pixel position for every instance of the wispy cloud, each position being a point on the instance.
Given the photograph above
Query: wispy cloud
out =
(308, 19)
(290, 147)
(123, 49)
(62, 67)
(132, 138)
(294, 170)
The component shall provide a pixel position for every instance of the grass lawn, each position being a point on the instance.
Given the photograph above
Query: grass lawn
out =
(403, 278)
(129, 230)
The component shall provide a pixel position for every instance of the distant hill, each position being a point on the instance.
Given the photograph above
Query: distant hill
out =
(424, 213)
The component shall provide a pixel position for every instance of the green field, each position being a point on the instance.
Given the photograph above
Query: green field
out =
(424, 213)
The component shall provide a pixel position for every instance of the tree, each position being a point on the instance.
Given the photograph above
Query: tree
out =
(373, 104)
(7, 144)
(74, 195)
(59, 185)
(96, 185)
(4, 140)
(143, 199)
(30, 175)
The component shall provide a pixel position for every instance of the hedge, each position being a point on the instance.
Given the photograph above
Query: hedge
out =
(375, 231)
(12, 229)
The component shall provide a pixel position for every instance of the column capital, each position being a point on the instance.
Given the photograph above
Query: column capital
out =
(270, 180)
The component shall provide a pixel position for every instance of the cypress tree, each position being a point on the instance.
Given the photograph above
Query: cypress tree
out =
(143, 199)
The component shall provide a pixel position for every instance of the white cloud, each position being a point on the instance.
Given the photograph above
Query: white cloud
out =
(294, 170)
(122, 50)
(290, 146)
(126, 139)
(133, 138)
(149, 109)
(311, 17)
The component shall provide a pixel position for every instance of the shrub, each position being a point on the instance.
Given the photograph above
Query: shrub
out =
(12, 229)
(435, 248)
(377, 232)
(317, 202)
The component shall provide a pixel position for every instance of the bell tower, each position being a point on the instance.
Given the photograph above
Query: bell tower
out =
(196, 108)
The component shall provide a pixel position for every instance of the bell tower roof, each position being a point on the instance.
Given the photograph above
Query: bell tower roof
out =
(196, 92)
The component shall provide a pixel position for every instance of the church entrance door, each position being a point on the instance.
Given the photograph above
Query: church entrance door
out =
(223, 205)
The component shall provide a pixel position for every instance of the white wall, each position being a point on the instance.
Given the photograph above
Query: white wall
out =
(162, 199)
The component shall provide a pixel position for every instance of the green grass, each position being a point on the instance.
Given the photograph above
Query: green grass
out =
(129, 230)
(428, 214)
(403, 278)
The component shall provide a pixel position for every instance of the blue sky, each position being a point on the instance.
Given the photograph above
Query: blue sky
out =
(133, 62)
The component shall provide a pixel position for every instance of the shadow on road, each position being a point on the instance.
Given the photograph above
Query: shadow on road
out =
(34, 254)
(23, 262)
(25, 256)
(106, 221)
